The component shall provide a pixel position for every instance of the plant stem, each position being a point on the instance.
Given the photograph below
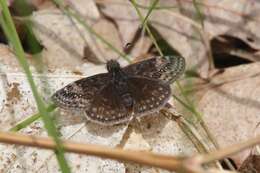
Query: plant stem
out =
(7, 23)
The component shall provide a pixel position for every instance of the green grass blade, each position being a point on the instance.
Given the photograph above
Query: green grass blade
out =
(199, 13)
(189, 105)
(69, 13)
(155, 2)
(7, 23)
(146, 27)
(30, 119)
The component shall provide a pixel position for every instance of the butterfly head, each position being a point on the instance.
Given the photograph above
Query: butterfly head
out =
(113, 66)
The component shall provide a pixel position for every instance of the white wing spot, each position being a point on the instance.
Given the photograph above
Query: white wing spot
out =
(161, 97)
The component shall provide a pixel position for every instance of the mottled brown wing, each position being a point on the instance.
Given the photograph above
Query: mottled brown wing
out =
(108, 108)
(167, 68)
(139, 97)
(77, 95)
(150, 95)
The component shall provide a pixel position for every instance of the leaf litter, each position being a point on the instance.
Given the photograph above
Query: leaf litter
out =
(228, 101)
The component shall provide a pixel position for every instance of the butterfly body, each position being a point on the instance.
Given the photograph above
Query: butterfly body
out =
(122, 93)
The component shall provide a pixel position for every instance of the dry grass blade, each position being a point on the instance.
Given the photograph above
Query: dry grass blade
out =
(220, 154)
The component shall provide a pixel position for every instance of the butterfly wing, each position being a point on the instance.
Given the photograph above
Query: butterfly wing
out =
(78, 95)
(150, 95)
(111, 106)
(167, 68)
(139, 97)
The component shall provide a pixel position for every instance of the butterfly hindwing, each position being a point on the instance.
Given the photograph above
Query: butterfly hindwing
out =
(140, 96)
(150, 95)
(108, 106)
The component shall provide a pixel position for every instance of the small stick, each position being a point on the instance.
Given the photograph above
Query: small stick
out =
(188, 164)
(141, 157)
(225, 152)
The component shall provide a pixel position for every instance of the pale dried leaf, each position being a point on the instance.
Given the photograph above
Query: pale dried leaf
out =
(124, 15)
(239, 19)
(251, 164)
(179, 32)
(230, 104)
(64, 39)
(87, 9)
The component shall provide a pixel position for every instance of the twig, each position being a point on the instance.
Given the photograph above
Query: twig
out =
(220, 154)
(190, 164)
(141, 157)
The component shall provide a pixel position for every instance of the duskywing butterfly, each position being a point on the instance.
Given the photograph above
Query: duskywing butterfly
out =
(123, 93)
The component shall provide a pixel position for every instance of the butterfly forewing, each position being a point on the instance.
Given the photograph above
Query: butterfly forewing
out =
(77, 95)
(167, 68)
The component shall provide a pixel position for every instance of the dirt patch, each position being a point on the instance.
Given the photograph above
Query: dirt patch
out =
(14, 93)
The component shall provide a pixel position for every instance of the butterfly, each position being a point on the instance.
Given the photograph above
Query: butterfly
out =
(123, 93)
